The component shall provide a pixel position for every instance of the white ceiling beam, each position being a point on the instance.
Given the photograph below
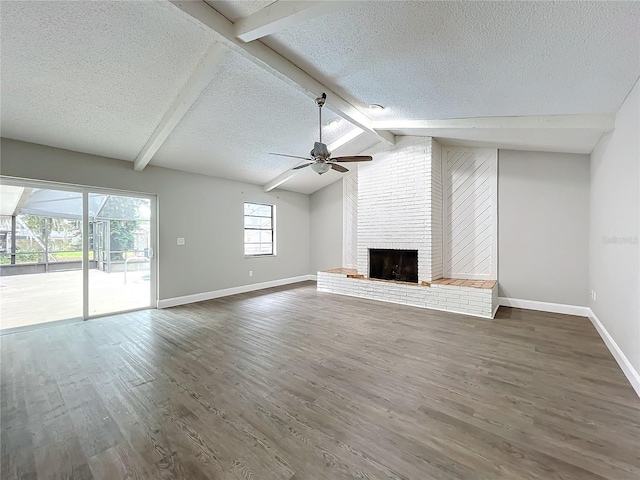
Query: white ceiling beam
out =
(280, 179)
(600, 121)
(280, 15)
(197, 82)
(279, 66)
(346, 138)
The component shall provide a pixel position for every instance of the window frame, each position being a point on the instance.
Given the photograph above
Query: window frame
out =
(272, 230)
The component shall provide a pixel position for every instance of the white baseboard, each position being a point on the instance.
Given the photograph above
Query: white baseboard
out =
(632, 375)
(544, 306)
(200, 297)
(313, 277)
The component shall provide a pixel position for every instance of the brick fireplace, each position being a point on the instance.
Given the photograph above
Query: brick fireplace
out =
(399, 208)
(395, 210)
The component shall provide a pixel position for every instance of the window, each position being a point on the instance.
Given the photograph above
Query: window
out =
(259, 226)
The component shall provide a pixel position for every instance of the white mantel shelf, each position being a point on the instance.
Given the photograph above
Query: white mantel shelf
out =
(445, 295)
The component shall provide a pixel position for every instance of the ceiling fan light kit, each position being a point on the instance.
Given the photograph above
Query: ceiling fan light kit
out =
(320, 168)
(320, 156)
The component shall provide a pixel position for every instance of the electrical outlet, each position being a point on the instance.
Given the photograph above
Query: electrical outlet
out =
(180, 241)
(251, 273)
(594, 295)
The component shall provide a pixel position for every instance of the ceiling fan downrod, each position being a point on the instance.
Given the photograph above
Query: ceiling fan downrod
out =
(320, 102)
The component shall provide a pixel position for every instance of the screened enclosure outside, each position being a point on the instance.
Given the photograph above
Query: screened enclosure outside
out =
(40, 240)
(48, 228)
(41, 254)
(39, 228)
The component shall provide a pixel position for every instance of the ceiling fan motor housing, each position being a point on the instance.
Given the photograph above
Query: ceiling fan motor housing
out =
(320, 151)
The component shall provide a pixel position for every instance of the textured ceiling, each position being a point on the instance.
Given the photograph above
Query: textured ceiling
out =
(436, 60)
(565, 140)
(93, 77)
(236, 9)
(240, 117)
(97, 77)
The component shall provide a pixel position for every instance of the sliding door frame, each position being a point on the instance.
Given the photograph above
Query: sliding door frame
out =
(85, 190)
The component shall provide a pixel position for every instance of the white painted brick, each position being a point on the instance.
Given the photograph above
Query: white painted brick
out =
(395, 202)
(447, 297)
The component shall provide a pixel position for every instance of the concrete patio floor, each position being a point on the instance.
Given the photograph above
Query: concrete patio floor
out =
(46, 297)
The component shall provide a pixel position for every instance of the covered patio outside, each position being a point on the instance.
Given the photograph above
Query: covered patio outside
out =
(58, 295)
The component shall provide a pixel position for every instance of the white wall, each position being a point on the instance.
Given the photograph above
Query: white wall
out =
(543, 224)
(614, 257)
(207, 211)
(326, 227)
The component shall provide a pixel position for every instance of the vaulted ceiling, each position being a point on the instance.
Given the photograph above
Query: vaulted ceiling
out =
(176, 84)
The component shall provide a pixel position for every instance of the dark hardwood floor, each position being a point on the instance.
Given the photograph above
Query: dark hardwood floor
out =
(289, 383)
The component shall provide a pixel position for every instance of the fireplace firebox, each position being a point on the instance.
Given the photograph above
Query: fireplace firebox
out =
(397, 265)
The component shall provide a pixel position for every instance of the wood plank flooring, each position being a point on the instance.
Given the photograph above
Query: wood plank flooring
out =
(290, 383)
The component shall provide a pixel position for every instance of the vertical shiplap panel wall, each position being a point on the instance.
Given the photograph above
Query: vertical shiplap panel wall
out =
(435, 217)
(350, 216)
(470, 224)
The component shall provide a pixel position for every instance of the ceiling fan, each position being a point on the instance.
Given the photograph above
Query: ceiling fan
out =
(320, 156)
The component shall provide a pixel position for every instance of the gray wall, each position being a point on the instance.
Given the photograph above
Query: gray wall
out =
(614, 257)
(326, 227)
(543, 225)
(207, 211)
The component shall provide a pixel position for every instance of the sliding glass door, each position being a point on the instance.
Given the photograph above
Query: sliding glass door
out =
(40, 255)
(120, 236)
(71, 252)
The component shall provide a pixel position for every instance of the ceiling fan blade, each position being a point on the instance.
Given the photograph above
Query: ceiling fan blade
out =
(339, 168)
(360, 158)
(302, 166)
(290, 156)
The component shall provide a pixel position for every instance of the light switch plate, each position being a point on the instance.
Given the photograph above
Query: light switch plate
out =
(180, 241)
